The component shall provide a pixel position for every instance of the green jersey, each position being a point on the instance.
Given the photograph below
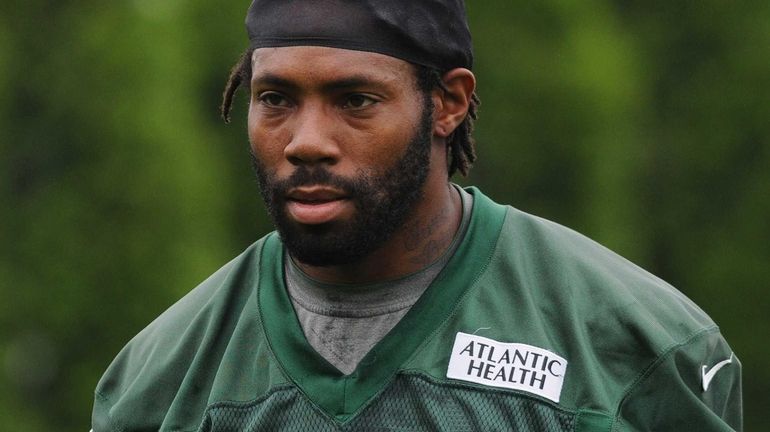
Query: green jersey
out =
(529, 327)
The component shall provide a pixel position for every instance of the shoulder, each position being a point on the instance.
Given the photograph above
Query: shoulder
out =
(596, 282)
(551, 287)
(229, 284)
(179, 348)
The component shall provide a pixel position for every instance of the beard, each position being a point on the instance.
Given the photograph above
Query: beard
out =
(383, 202)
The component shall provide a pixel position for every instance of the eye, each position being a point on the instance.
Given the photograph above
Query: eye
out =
(273, 99)
(358, 101)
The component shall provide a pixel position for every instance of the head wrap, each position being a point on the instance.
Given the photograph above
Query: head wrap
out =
(431, 33)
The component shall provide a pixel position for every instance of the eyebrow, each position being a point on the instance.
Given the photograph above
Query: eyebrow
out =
(274, 81)
(352, 82)
(346, 83)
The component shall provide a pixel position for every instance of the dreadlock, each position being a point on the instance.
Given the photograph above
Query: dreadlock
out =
(461, 150)
(240, 74)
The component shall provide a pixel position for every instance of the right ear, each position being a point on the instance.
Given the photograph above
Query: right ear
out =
(451, 103)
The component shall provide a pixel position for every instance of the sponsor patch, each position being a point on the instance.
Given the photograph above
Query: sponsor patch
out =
(509, 365)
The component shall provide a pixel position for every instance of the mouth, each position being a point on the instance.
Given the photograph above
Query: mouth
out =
(313, 205)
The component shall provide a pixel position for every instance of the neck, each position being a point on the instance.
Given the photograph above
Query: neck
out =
(424, 237)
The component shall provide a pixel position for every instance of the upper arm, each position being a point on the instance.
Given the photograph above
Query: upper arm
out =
(670, 394)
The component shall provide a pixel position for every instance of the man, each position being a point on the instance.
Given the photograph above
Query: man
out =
(391, 299)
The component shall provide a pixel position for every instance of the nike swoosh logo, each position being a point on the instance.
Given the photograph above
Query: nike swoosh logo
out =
(708, 376)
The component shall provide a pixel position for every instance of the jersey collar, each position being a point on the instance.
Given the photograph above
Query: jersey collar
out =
(341, 396)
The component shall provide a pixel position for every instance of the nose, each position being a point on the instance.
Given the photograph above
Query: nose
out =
(314, 139)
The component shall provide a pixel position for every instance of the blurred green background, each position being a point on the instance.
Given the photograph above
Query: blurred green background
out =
(643, 124)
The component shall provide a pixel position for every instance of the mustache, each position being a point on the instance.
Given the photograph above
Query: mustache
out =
(274, 190)
(277, 188)
(304, 176)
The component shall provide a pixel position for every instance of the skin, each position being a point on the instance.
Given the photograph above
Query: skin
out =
(350, 111)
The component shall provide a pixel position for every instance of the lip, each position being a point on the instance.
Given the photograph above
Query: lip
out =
(315, 193)
(313, 205)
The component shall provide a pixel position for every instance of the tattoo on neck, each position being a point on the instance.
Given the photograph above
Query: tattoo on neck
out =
(428, 239)
(432, 249)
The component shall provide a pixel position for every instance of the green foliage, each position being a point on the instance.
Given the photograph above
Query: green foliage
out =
(641, 124)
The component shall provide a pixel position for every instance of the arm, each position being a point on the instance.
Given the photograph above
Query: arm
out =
(695, 386)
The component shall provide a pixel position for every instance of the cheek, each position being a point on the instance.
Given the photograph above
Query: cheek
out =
(389, 144)
(265, 144)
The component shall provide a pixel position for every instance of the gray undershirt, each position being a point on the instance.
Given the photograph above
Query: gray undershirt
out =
(342, 322)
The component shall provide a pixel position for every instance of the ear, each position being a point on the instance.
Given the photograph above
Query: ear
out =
(451, 103)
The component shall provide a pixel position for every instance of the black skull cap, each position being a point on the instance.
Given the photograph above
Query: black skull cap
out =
(431, 33)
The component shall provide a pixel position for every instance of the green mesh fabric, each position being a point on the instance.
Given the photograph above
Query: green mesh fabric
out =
(410, 403)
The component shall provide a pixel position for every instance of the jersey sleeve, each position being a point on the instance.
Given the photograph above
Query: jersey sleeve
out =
(695, 386)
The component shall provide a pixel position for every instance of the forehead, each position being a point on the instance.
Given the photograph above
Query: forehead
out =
(323, 63)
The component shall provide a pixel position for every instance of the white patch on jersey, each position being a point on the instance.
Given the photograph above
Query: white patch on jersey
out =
(708, 376)
(509, 365)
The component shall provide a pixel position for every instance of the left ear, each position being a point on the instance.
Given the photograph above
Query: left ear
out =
(451, 103)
